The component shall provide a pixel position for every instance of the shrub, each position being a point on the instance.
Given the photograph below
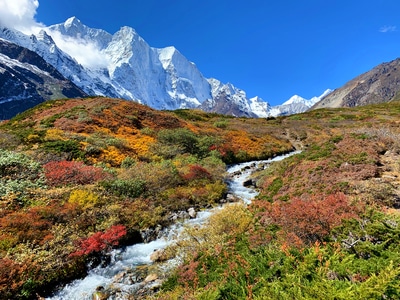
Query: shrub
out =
(185, 139)
(72, 148)
(128, 162)
(19, 174)
(72, 172)
(308, 221)
(83, 198)
(132, 188)
(101, 241)
(197, 172)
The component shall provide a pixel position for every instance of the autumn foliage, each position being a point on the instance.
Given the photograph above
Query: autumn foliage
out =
(306, 221)
(101, 241)
(72, 169)
(197, 172)
(72, 172)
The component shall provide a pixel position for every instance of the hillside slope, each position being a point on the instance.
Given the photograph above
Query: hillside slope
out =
(381, 84)
(81, 176)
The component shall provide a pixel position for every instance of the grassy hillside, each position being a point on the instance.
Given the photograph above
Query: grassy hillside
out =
(324, 226)
(80, 176)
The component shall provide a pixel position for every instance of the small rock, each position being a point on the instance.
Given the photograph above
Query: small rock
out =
(231, 198)
(158, 255)
(150, 277)
(192, 213)
(249, 182)
(100, 294)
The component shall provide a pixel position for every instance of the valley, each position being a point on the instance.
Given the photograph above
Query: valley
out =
(81, 177)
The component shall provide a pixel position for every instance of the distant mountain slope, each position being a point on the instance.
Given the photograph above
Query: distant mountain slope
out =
(381, 84)
(26, 80)
(296, 104)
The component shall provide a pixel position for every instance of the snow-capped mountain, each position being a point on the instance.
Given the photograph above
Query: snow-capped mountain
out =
(161, 78)
(295, 105)
(26, 80)
(123, 65)
(227, 99)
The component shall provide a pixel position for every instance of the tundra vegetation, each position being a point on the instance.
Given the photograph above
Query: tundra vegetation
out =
(81, 176)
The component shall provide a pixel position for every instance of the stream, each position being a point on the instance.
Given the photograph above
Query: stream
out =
(127, 260)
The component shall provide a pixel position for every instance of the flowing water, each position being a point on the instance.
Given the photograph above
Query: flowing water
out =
(139, 254)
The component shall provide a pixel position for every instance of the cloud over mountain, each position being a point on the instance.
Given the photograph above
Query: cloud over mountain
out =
(19, 14)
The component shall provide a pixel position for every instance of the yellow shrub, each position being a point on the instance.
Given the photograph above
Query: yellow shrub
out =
(54, 134)
(113, 156)
(230, 221)
(141, 144)
(83, 198)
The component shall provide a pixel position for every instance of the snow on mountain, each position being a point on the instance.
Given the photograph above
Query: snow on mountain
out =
(26, 80)
(73, 28)
(228, 99)
(296, 104)
(123, 65)
(93, 83)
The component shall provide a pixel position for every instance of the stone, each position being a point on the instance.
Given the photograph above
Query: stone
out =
(158, 255)
(192, 213)
(100, 294)
(150, 278)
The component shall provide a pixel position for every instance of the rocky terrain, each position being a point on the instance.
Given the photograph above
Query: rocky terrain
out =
(26, 80)
(381, 84)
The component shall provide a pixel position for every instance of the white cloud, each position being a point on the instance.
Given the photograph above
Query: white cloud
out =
(19, 14)
(85, 52)
(387, 28)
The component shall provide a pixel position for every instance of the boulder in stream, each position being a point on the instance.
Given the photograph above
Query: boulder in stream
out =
(159, 255)
(100, 294)
(192, 213)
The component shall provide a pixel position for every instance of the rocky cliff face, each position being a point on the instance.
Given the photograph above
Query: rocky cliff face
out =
(26, 80)
(381, 84)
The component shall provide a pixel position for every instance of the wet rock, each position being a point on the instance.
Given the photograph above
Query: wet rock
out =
(231, 198)
(151, 234)
(178, 215)
(192, 213)
(131, 276)
(249, 182)
(237, 173)
(132, 237)
(150, 278)
(100, 294)
(159, 255)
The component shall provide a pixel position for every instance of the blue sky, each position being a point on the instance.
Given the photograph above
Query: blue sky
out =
(273, 49)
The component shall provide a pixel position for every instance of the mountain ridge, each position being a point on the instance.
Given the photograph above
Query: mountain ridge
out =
(123, 65)
(26, 80)
(380, 84)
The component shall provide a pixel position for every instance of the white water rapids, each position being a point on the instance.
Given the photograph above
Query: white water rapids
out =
(139, 254)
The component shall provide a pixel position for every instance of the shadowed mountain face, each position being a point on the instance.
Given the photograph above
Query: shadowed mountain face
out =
(26, 80)
(381, 84)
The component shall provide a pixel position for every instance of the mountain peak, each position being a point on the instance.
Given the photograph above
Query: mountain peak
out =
(294, 99)
(73, 21)
(43, 36)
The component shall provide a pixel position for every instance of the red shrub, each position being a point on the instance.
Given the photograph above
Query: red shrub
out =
(197, 172)
(308, 221)
(101, 241)
(72, 172)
